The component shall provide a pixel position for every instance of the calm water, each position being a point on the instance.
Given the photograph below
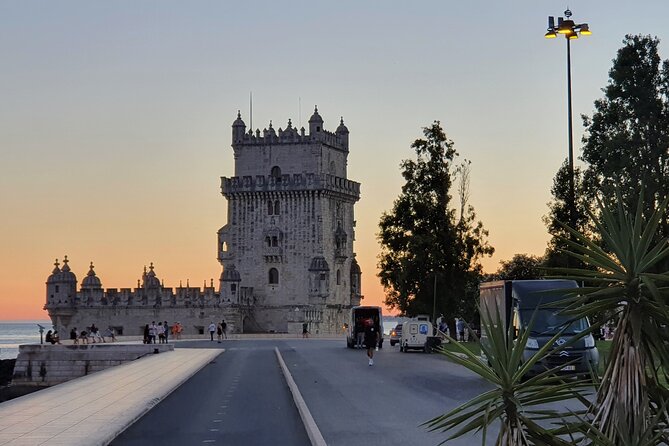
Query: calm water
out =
(13, 334)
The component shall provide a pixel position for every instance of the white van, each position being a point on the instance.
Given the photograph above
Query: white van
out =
(417, 333)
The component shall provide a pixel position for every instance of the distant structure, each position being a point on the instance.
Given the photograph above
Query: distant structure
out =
(286, 250)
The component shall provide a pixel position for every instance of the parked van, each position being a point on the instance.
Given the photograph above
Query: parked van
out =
(418, 333)
(517, 301)
(356, 324)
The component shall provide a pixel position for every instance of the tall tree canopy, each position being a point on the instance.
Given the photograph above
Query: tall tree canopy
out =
(626, 143)
(423, 245)
(520, 267)
(627, 138)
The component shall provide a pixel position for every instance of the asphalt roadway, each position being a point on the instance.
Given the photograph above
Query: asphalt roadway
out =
(242, 398)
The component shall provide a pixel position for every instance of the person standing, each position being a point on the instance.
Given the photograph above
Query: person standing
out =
(224, 326)
(153, 331)
(460, 329)
(161, 333)
(74, 336)
(219, 332)
(167, 332)
(372, 337)
(212, 330)
(305, 330)
(147, 334)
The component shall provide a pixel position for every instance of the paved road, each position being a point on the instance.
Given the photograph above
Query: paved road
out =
(352, 403)
(239, 399)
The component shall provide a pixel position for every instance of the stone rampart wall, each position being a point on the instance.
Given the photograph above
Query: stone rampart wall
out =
(47, 365)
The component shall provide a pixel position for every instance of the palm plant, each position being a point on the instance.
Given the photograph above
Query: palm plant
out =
(515, 400)
(631, 399)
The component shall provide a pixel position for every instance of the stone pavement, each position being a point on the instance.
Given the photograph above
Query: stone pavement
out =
(94, 409)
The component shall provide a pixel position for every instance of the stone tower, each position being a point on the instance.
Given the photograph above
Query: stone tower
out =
(287, 248)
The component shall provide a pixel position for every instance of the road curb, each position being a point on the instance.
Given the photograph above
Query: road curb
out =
(310, 425)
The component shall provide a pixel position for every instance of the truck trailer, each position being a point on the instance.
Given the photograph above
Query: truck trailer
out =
(518, 301)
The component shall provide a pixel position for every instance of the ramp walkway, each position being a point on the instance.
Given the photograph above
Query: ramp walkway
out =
(94, 409)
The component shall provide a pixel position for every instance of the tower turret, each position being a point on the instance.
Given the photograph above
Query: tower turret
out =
(342, 132)
(315, 123)
(61, 286)
(238, 129)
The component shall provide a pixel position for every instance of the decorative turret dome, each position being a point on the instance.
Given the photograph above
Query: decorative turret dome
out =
(66, 275)
(230, 274)
(316, 118)
(319, 264)
(91, 281)
(55, 274)
(238, 122)
(342, 129)
(149, 279)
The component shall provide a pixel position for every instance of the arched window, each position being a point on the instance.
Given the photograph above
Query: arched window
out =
(275, 241)
(338, 277)
(268, 241)
(276, 173)
(276, 208)
(333, 169)
(270, 207)
(273, 276)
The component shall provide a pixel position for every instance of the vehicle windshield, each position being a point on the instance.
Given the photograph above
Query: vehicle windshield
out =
(550, 321)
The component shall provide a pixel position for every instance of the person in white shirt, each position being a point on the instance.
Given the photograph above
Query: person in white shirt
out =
(212, 330)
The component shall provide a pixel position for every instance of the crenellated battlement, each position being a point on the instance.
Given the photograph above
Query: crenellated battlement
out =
(290, 183)
(291, 136)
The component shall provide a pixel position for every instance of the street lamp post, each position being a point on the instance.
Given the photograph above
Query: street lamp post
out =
(571, 31)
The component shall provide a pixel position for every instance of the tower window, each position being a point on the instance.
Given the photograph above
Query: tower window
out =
(275, 241)
(277, 208)
(268, 241)
(273, 276)
(57, 288)
(338, 277)
(270, 207)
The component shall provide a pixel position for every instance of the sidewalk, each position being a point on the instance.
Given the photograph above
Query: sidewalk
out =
(94, 409)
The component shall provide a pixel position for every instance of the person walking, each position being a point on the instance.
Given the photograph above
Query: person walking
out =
(147, 334)
(224, 326)
(305, 330)
(74, 336)
(212, 330)
(219, 332)
(371, 339)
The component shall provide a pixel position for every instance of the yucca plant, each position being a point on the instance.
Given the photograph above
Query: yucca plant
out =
(516, 400)
(631, 399)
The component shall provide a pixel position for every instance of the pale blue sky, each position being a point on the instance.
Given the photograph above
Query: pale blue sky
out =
(115, 116)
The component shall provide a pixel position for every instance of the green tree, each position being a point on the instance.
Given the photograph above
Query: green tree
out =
(520, 267)
(627, 138)
(559, 211)
(423, 246)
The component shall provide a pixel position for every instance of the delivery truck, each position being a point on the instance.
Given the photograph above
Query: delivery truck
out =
(355, 327)
(517, 302)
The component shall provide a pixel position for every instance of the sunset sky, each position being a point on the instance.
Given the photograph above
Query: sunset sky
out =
(115, 118)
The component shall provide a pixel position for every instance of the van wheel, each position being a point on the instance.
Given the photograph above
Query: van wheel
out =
(392, 344)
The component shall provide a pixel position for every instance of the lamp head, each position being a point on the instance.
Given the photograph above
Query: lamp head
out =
(585, 30)
(565, 26)
(550, 34)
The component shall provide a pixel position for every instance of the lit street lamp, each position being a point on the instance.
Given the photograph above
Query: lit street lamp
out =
(571, 31)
